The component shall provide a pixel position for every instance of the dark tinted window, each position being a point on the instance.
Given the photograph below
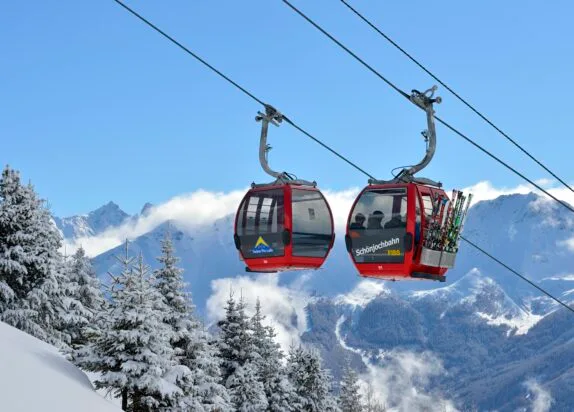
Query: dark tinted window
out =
(260, 224)
(378, 226)
(312, 226)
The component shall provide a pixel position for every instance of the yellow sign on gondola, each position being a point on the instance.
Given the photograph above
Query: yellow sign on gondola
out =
(261, 246)
(260, 242)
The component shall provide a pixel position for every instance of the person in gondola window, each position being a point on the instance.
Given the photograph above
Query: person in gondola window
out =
(396, 222)
(359, 223)
(375, 220)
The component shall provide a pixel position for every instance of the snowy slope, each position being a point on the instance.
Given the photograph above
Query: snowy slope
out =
(35, 377)
(484, 297)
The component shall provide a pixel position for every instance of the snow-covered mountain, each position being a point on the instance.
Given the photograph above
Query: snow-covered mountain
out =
(488, 348)
(108, 216)
(34, 376)
(527, 232)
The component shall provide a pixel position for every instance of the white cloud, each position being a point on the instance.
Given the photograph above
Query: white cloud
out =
(564, 277)
(188, 211)
(283, 307)
(541, 398)
(544, 182)
(568, 243)
(399, 379)
(363, 293)
(486, 191)
(341, 203)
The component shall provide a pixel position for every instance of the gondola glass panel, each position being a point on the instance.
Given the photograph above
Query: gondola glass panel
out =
(378, 226)
(312, 226)
(260, 224)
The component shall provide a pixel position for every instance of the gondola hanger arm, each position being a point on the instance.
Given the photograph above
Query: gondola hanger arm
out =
(274, 117)
(424, 101)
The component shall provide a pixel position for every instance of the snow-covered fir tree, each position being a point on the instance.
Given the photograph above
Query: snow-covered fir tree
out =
(198, 370)
(312, 383)
(30, 262)
(205, 368)
(133, 352)
(83, 299)
(238, 354)
(246, 390)
(171, 285)
(235, 342)
(280, 393)
(16, 240)
(349, 395)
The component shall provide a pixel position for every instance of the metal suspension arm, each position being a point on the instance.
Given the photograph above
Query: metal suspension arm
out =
(275, 118)
(425, 101)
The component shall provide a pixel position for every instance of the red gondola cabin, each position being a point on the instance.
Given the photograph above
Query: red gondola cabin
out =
(281, 227)
(387, 228)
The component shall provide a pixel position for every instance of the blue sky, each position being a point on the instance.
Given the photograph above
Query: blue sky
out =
(98, 107)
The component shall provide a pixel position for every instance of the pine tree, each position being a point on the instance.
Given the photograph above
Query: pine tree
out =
(280, 393)
(205, 365)
(349, 396)
(172, 287)
(198, 370)
(312, 383)
(16, 239)
(235, 343)
(83, 299)
(30, 262)
(239, 359)
(247, 392)
(133, 353)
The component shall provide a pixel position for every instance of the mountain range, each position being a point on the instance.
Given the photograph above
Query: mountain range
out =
(492, 336)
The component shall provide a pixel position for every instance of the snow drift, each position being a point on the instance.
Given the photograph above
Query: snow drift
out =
(35, 377)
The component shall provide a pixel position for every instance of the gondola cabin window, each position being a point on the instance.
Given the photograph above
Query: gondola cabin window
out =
(312, 226)
(260, 224)
(378, 226)
(428, 206)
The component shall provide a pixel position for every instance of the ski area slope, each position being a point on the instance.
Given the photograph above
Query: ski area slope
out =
(35, 377)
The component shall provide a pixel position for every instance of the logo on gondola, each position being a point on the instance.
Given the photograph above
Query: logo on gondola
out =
(261, 247)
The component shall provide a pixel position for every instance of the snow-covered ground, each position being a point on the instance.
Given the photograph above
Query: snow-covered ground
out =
(35, 377)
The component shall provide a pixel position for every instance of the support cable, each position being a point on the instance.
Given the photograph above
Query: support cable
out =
(455, 94)
(452, 128)
(324, 145)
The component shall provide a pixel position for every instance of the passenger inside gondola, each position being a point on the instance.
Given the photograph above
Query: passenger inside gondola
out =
(359, 223)
(396, 222)
(375, 220)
